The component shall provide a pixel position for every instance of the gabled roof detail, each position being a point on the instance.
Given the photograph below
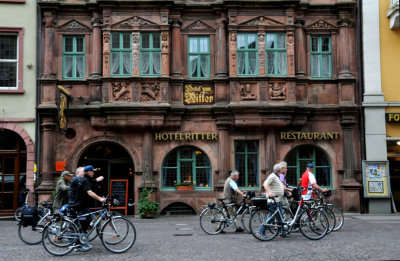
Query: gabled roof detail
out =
(321, 24)
(262, 20)
(74, 25)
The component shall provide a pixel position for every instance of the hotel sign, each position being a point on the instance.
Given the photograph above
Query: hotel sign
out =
(194, 94)
(178, 136)
(392, 117)
(299, 135)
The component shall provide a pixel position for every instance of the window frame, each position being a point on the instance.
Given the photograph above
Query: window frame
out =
(150, 50)
(74, 54)
(301, 162)
(194, 168)
(20, 60)
(246, 153)
(319, 54)
(121, 51)
(246, 51)
(275, 50)
(198, 53)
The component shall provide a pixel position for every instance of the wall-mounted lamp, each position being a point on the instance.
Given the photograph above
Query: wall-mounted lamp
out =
(398, 142)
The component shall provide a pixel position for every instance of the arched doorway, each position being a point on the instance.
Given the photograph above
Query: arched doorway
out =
(112, 162)
(297, 160)
(12, 171)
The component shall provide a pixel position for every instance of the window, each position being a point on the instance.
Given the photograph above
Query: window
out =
(186, 164)
(276, 54)
(9, 65)
(199, 57)
(247, 54)
(73, 57)
(121, 53)
(150, 54)
(300, 156)
(246, 162)
(321, 57)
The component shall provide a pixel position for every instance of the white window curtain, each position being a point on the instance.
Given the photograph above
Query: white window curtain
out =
(126, 63)
(204, 66)
(115, 63)
(325, 66)
(241, 63)
(145, 63)
(252, 62)
(270, 63)
(156, 63)
(193, 66)
(79, 66)
(281, 63)
(315, 65)
(68, 66)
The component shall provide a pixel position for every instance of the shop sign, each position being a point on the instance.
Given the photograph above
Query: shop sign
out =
(376, 179)
(300, 135)
(392, 117)
(63, 98)
(178, 136)
(194, 94)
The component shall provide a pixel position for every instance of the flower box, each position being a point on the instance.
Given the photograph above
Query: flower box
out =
(184, 188)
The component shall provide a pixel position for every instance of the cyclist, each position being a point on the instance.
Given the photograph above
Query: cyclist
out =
(309, 182)
(62, 187)
(80, 191)
(282, 177)
(231, 192)
(273, 187)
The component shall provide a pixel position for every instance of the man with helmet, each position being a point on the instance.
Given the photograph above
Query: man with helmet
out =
(308, 182)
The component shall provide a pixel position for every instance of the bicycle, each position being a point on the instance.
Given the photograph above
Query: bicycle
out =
(336, 211)
(214, 218)
(63, 234)
(31, 234)
(19, 210)
(266, 222)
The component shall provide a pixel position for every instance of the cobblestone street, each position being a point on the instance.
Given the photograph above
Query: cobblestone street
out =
(363, 237)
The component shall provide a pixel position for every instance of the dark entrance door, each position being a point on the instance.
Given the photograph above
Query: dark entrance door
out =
(111, 162)
(12, 171)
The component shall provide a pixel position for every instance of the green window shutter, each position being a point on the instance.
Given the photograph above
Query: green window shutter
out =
(121, 54)
(150, 54)
(247, 54)
(199, 57)
(73, 57)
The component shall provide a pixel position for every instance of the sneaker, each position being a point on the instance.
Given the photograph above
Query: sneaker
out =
(239, 229)
(84, 247)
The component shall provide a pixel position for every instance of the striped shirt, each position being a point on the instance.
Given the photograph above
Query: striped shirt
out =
(275, 187)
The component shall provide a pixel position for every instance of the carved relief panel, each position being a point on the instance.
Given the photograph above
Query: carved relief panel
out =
(261, 53)
(149, 92)
(121, 91)
(135, 54)
(248, 91)
(277, 91)
(232, 54)
(106, 53)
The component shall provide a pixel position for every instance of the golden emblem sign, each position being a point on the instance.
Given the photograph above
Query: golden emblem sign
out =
(198, 94)
(63, 98)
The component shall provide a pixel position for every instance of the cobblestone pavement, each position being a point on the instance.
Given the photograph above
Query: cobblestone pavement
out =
(363, 237)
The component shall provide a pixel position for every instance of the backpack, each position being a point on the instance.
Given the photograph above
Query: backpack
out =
(29, 216)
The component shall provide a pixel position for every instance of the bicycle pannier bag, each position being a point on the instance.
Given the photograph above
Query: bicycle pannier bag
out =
(29, 216)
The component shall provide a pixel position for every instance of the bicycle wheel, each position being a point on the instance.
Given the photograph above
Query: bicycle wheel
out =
(245, 219)
(93, 235)
(30, 235)
(212, 221)
(331, 218)
(59, 238)
(313, 224)
(339, 218)
(118, 234)
(260, 229)
(18, 213)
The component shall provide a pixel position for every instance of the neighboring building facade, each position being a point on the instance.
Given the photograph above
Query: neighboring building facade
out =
(381, 45)
(17, 101)
(172, 92)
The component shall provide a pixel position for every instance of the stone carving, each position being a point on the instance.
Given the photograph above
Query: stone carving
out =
(277, 91)
(106, 18)
(233, 37)
(73, 25)
(321, 24)
(232, 19)
(121, 91)
(149, 92)
(106, 62)
(135, 92)
(106, 37)
(246, 92)
(198, 25)
(261, 20)
(135, 21)
(263, 91)
(164, 37)
(165, 92)
(164, 17)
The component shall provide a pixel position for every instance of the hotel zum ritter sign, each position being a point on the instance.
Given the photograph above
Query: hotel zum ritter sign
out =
(195, 94)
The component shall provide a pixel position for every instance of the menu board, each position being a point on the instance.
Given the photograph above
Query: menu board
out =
(119, 190)
(376, 179)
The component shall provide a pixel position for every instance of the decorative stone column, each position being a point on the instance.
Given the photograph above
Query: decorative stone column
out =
(176, 49)
(147, 157)
(222, 67)
(232, 53)
(49, 40)
(261, 53)
(165, 54)
(344, 45)
(223, 155)
(47, 162)
(135, 51)
(300, 45)
(290, 53)
(106, 42)
(97, 50)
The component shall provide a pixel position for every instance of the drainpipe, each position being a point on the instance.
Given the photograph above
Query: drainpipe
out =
(38, 94)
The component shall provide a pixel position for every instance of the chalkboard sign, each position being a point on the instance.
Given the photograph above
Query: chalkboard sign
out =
(119, 190)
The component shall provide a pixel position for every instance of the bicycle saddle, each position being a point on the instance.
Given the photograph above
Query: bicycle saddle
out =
(47, 204)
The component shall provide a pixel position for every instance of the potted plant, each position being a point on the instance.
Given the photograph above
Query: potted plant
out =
(185, 185)
(146, 207)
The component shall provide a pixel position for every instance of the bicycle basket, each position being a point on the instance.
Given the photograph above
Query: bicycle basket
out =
(29, 216)
(260, 202)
